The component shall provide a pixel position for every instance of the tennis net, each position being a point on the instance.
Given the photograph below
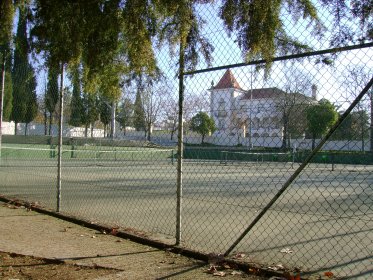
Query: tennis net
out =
(120, 155)
(242, 157)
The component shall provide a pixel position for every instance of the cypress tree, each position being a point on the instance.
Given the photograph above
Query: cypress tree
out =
(8, 96)
(31, 99)
(19, 73)
(76, 100)
(51, 97)
(138, 113)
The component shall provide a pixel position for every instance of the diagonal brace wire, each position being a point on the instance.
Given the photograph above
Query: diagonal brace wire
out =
(301, 167)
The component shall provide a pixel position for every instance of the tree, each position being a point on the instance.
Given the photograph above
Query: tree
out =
(76, 106)
(91, 112)
(291, 104)
(125, 115)
(104, 112)
(23, 77)
(354, 80)
(31, 99)
(259, 29)
(354, 127)
(202, 124)
(6, 23)
(320, 117)
(193, 103)
(51, 96)
(154, 101)
(8, 96)
(359, 12)
(138, 112)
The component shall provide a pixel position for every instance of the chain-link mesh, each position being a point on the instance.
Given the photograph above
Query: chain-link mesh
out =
(248, 182)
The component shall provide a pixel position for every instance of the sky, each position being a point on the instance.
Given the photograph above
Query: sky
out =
(327, 78)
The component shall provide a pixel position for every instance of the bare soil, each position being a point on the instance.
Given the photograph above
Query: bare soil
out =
(14, 266)
(37, 246)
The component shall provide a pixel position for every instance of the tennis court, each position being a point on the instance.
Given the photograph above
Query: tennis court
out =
(137, 189)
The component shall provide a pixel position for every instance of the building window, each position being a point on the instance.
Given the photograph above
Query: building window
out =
(221, 108)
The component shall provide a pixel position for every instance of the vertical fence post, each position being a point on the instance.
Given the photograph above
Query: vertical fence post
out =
(2, 100)
(180, 144)
(60, 127)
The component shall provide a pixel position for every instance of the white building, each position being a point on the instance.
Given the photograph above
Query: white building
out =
(252, 113)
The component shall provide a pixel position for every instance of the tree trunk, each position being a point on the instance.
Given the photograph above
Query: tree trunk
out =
(313, 141)
(50, 123)
(92, 127)
(15, 128)
(362, 138)
(371, 120)
(203, 139)
(113, 106)
(86, 131)
(149, 132)
(26, 126)
(285, 136)
(45, 122)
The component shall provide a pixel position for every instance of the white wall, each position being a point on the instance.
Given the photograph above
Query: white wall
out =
(223, 139)
(7, 128)
(38, 129)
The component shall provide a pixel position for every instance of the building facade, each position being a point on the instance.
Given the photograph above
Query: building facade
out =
(264, 112)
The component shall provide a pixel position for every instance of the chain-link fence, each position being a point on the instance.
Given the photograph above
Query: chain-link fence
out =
(270, 161)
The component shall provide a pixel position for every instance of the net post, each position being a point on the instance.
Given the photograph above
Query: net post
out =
(72, 147)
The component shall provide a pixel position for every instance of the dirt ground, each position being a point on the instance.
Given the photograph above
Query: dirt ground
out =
(38, 246)
(13, 266)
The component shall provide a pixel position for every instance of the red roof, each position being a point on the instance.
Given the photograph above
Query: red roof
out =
(227, 81)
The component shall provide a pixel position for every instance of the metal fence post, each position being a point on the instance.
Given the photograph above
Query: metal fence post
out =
(60, 127)
(180, 145)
